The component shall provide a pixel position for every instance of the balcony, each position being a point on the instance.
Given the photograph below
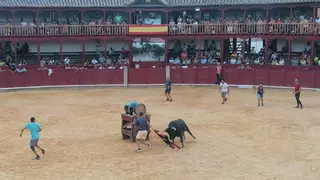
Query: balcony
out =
(310, 29)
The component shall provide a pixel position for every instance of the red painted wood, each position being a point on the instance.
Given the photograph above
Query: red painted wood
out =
(276, 77)
(189, 76)
(245, 76)
(261, 76)
(231, 75)
(147, 76)
(205, 76)
(307, 78)
(289, 76)
(176, 75)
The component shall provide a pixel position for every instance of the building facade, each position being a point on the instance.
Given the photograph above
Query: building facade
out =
(162, 31)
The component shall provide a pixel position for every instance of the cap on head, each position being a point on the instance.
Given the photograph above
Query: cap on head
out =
(32, 119)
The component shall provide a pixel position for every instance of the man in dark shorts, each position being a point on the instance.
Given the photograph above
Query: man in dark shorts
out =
(168, 90)
(34, 129)
(296, 92)
(260, 92)
(143, 125)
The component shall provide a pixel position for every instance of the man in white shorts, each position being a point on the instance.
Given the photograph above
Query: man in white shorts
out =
(143, 124)
(224, 90)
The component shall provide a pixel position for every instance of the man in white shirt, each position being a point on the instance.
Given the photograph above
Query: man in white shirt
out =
(224, 90)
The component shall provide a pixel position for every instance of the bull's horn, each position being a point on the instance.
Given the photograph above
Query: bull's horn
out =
(173, 128)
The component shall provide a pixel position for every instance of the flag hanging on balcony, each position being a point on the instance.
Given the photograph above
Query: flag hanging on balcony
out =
(159, 29)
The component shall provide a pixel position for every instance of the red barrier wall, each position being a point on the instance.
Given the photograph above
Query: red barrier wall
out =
(204, 75)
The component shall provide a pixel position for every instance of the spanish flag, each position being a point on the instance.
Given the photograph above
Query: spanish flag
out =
(159, 29)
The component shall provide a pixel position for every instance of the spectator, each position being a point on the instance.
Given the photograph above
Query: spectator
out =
(177, 60)
(281, 62)
(184, 55)
(13, 68)
(94, 62)
(22, 63)
(295, 61)
(204, 60)
(42, 65)
(101, 60)
(67, 63)
(233, 60)
(118, 19)
(171, 60)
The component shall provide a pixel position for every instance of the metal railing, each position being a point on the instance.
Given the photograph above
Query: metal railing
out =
(175, 30)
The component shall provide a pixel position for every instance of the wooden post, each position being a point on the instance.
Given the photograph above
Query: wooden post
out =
(105, 48)
(266, 51)
(83, 51)
(166, 51)
(38, 51)
(15, 50)
(289, 51)
(222, 51)
(313, 51)
(61, 53)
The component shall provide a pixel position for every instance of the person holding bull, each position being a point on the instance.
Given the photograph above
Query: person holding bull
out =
(143, 125)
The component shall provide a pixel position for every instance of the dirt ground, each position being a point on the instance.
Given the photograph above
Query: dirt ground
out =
(238, 140)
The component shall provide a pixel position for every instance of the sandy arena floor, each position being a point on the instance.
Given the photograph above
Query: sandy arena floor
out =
(238, 140)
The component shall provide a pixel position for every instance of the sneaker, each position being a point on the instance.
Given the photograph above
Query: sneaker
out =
(139, 151)
(170, 100)
(43, 151)
(37, 158)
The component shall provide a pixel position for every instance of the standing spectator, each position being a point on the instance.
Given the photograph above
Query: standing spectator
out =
(219, 70)
(118, 19)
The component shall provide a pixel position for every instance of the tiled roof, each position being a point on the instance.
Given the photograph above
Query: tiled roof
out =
(124, 3)
(65, 3)
(233, 2)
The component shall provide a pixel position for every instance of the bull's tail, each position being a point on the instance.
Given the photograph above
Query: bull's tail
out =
(188, 130)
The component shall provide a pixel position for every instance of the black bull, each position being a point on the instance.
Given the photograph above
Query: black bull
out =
(177, 128)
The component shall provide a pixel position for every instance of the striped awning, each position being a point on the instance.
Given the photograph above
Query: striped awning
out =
(160, 29)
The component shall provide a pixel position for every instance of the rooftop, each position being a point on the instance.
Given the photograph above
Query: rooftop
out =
(126, 3)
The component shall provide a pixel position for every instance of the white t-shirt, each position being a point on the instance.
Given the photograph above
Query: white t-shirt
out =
(224, 87)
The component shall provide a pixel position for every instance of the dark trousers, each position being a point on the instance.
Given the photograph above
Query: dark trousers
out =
(218, 78)
(298, 99)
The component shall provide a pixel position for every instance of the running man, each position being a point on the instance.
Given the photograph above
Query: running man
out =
(168, 90)
(260, 92)
(143, 125)
(296, 92)
(34, 129)
(224, 90)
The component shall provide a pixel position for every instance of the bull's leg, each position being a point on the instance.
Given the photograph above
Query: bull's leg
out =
(181, 139)
(190, 132)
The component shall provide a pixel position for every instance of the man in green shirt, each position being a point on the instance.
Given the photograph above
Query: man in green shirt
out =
(118, 19)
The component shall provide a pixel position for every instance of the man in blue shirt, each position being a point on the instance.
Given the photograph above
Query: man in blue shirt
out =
(34, 129)
(168, 90)
(131, 106)
(142, 123)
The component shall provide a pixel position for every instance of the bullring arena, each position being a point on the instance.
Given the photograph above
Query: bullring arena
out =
(238, 140)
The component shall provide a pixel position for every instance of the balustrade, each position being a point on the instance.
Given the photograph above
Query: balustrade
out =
(175, 30)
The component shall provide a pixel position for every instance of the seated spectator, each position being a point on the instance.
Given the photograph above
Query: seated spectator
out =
(42, 65)
(108, 61)
(195, 60)
(281, 62)
(177, 60)
(274, 62)
(303, 62)
(188, 61)
(101, 60)
(274, 56)
(316, 60)
(247, 60)
(233, 60)
(22, 63)
(118, 19)
(184, 55)
(241, 66)
(94, 62)
(295, 61)
(204, 60)
(114, 61)
(171, 60)
(67, 63)
(13, 68)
